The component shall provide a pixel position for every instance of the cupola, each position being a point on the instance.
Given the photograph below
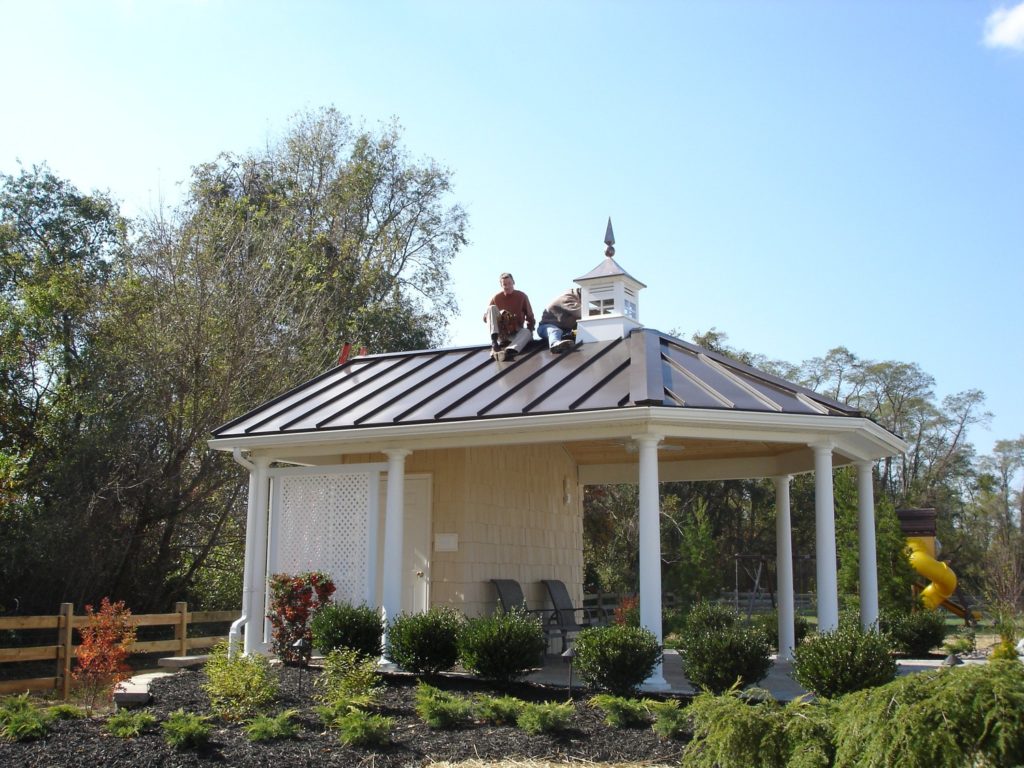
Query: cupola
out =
(610, 298)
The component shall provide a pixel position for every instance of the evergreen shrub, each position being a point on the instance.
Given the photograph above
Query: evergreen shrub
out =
(709, 616)
(363, 729)
(716, 659)
(497, 710)
(734, 731)
(267, 728)
(65, 712)
(845, 660)
(914, 633)
(618, 658)
(503, 647)
(670, 720)
(347, 681)
(548, 717)
(20, 721)
(126, 724)
(621, 711)
(426, 642)
(440, 709)
(943, 718)
(238, 687)
(769, 624)
(186, 730)
(340, 625)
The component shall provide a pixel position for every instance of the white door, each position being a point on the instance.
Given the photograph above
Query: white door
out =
(415, 543)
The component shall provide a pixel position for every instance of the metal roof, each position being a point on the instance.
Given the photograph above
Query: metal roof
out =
(648, 368)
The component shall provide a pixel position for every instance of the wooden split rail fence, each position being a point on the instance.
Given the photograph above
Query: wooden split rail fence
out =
(64, 650)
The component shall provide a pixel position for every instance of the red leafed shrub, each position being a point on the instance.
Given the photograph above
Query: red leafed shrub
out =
(628, 611)
(293, 601)
(103, 652)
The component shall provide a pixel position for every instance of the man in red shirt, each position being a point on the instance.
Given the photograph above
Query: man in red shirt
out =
(509, 318)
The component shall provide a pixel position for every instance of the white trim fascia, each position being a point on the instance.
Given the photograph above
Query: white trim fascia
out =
(858, 438)
(793, 463)
(328, 469)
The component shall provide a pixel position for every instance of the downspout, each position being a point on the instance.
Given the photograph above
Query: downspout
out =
(235, 633)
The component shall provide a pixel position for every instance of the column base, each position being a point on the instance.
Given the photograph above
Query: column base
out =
(656, 682)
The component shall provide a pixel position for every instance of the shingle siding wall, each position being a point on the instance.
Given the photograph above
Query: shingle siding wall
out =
(507, 506)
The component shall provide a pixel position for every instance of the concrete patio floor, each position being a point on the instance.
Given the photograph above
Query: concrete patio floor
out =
(779, 682)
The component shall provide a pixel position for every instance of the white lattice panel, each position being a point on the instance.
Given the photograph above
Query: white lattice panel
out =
(323, 526)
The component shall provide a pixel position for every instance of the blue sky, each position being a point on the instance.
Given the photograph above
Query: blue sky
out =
(799, 175)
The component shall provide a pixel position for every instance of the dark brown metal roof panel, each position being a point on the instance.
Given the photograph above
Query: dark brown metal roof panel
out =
(647, 368)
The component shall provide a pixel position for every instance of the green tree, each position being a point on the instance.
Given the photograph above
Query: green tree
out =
(60, 250)
(696, 574)
(273, 261)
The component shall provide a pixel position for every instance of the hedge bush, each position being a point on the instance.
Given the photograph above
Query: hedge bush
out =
(717, 659)
(426, 642)
(503, 647)
(843, 661)
(914, 633)
(708, 616)
(769, 624)
(340, 625)
(716, 649)
(618, 658)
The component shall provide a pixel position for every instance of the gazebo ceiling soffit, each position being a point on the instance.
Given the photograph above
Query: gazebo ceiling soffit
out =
(708, 407)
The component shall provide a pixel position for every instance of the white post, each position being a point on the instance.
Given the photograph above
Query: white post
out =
(825, 539)
(868, 557)
(650, 548)
(257, 633)
(235, 632)
(784, 568)
(393, 571)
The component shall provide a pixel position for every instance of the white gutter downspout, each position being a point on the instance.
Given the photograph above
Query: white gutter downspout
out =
(235, 633)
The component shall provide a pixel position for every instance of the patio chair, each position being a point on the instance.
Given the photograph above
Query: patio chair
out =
(510, 595)
(564, 616)
(510, 598)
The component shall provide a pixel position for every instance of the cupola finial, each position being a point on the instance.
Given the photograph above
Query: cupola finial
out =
(609, 240)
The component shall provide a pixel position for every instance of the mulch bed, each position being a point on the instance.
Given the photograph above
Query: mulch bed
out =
(77, 743)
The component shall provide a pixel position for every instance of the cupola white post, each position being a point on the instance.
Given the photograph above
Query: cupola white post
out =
(609, 299)
(825, 539)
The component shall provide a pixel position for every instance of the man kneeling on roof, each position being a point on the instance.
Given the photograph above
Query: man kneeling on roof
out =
(559, 320)
(509, 318)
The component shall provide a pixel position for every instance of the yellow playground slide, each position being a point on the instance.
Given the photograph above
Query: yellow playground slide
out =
(943, 580)
(941, 576)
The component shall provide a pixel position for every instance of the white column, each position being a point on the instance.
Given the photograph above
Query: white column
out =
(393, 571)
(257, 633)
(867, 556)
(784, 568)
(825, 539)
(650, 548)
(235, 632)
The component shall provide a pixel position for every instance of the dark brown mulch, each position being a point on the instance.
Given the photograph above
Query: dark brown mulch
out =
(77, 743)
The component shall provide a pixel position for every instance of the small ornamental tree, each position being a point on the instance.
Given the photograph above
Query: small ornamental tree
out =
(293, 602)
(103, 652)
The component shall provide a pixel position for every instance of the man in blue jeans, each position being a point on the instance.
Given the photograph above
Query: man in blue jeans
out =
(558, 319)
